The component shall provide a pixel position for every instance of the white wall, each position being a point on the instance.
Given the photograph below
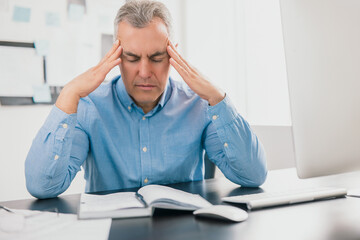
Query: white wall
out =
(238, 45)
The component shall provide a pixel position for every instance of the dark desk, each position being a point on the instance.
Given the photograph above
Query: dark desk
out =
(328, 219)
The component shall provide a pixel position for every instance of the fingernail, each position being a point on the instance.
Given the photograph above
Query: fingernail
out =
(117, 41)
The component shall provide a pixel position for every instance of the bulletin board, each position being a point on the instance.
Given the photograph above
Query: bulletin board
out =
(72, 35)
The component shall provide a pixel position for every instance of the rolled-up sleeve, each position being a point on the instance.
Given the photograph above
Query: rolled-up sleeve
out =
(56, 154)
(233, 146)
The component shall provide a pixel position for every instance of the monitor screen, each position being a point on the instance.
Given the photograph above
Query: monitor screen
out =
(322, 50)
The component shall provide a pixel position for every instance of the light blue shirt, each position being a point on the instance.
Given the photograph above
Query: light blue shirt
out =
(121, 147)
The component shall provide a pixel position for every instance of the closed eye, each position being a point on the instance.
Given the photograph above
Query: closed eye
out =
(156, 60)
(133, 60)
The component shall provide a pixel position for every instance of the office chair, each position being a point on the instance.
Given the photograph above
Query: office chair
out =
(209, 167)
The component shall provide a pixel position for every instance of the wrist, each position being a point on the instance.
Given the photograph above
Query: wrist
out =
(68, 100)
(216, 98)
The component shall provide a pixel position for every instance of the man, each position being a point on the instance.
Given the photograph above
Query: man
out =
(142, 127)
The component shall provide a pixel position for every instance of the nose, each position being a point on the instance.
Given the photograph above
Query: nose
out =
(145, 69)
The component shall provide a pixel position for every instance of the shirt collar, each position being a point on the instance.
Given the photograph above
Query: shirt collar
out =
(127, 101)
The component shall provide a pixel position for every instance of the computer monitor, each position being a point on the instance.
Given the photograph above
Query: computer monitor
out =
(322, 50)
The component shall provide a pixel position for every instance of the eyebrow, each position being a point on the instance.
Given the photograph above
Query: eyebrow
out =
(131, 54)
(156, 54)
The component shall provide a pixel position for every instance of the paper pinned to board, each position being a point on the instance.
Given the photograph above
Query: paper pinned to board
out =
(27, 224)
(41, 93)
(42, 47)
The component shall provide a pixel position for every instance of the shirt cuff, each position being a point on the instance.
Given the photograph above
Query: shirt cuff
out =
(58, 118)
(222, 113)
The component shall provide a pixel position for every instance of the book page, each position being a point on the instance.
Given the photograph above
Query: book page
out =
(161, 195)
(109, 202)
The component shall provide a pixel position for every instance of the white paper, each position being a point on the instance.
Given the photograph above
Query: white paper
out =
(49, 225)
(114, 201)
(151, 193)
(24, 68)
(42, 93)
(42, 47)
(76, 12)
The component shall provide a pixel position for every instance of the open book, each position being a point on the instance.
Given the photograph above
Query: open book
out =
(138, 204)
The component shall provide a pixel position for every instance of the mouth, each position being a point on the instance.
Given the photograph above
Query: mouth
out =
(146, 87)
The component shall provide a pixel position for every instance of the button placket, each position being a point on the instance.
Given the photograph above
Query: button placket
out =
(145, 156)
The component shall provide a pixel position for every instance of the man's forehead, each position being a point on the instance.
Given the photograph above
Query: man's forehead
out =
(148, 40)
(141, 48)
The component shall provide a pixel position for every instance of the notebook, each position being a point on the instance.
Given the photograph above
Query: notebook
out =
(138, 204)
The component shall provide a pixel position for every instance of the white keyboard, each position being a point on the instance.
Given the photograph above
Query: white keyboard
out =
(269, 199)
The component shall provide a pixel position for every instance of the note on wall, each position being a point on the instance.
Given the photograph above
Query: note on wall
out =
(77, 2)
(76, 12)
(41, 93)
(42, 47)
(52, 19)
(21, 14)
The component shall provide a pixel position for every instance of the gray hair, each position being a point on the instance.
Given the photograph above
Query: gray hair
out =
(139, 13)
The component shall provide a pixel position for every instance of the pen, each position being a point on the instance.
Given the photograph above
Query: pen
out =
(6, 209)
(141, 199)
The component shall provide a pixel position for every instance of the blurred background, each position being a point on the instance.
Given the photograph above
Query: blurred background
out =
(237, 44)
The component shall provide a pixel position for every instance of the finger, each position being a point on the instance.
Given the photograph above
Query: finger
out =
(183, 73)
(181, 60)
(116, 54)
(111, 62)
(112, 50)
(114, 64)
(108, 66)
(177, 58)
(175, 50)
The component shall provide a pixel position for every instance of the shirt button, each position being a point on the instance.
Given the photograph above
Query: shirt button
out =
(214, 117)
(146, 180)
(129, 108)
(144, 149)
(56, 157)
(143, 118)
(64, 125)
(225, 145)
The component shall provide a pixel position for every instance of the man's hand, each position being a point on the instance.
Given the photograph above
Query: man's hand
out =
(194, 79)
(87, 82)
